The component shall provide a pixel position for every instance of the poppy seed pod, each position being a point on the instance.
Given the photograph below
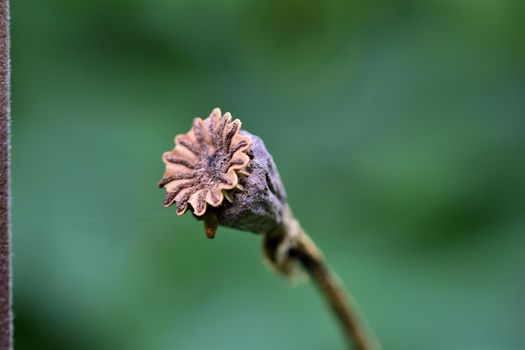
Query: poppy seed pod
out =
(229, 178)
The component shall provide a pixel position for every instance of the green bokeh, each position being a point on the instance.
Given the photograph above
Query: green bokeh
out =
(398, 129)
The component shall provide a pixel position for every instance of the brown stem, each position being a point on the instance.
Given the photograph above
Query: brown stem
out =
(288, 244)
(334, 294)
(6, 327)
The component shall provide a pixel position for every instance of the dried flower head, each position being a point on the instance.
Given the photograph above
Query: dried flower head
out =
(204, 164)
(204, 168)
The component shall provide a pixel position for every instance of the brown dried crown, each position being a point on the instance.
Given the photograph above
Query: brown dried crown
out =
(204, 163)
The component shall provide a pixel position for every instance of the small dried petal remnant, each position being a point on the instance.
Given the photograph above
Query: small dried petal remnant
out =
(204, 163)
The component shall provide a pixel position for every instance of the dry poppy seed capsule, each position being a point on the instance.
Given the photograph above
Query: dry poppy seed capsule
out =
(215, 161)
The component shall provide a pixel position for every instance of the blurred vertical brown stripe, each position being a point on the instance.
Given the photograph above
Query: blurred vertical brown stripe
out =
(5, 247)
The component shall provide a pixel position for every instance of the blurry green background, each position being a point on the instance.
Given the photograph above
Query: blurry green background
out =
(398, 129)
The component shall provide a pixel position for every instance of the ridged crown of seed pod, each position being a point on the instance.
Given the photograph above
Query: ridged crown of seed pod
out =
(203, 165)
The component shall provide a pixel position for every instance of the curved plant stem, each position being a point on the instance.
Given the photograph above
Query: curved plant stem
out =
(289, 244)
(334, 294)
(6, 327)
